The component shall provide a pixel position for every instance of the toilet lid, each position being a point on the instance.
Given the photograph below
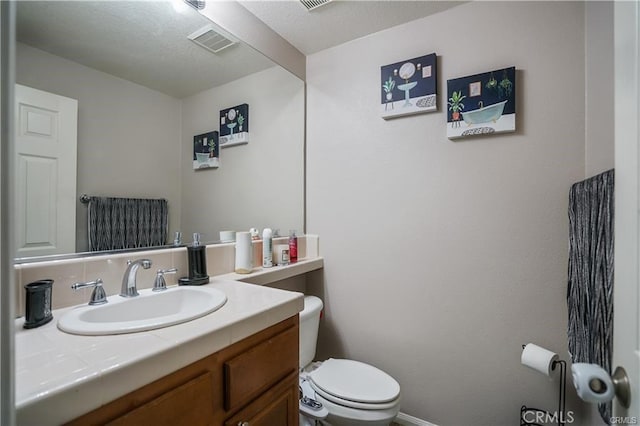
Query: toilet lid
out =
(355, 381)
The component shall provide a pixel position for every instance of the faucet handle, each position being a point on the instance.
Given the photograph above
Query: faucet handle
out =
(98, 295)
(160, 284)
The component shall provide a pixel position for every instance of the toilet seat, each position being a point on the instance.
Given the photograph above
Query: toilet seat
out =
(339, 415)
(355, 384)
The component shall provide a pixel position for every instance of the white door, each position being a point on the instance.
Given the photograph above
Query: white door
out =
(627, 202)
(46, 140)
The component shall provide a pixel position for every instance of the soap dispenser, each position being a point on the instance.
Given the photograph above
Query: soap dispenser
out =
(197, 257)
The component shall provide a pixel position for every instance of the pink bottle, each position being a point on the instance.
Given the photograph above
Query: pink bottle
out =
(293, 247)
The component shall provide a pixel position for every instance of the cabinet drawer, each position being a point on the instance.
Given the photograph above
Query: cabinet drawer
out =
(249, 374)
(189, 404)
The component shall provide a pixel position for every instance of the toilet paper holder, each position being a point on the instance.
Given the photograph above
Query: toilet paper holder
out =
(562, 395)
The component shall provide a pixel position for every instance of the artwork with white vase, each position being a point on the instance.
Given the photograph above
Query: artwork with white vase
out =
(482, 104)
(408, 87)
(234, 126)
(206, 151)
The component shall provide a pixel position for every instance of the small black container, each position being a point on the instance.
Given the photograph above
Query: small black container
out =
(38, 303)
(197, 258)
(197, 262)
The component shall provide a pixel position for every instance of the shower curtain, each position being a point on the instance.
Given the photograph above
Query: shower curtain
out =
(122, 223)
(590, 284)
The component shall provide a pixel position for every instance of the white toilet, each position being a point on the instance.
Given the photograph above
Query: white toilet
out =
(351, 392)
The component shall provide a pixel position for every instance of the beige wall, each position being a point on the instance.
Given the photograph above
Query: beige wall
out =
(134, 141)
(259, 184)
(478, 261)
(127, 134)
(599, 87)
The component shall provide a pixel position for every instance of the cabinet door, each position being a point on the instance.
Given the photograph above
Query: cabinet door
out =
(190, 404)
(278, 406)
(256, 370)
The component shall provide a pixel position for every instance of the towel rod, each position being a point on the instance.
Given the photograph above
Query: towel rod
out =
(84, 198)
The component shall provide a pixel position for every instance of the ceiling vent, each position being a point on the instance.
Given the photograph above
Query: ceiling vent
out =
(314, 4)
(198, 4)
(213, 39)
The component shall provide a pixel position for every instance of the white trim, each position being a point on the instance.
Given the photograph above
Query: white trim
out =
(407, 420)
(626, 299)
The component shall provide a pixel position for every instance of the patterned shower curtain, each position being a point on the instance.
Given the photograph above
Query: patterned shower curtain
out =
(122, 223)
(590, 285)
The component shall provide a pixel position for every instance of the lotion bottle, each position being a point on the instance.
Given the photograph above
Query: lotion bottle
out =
(267, 246)
(293, 246)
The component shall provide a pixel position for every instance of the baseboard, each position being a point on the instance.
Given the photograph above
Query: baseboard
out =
(407, 420)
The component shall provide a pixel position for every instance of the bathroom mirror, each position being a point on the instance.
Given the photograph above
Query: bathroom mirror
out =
(144, 90)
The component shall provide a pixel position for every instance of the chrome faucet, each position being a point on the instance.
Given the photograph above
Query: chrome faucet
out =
(129, 280)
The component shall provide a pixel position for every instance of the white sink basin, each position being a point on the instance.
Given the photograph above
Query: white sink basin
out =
(148, 311)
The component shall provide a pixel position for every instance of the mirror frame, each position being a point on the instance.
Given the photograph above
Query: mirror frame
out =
(7, 276)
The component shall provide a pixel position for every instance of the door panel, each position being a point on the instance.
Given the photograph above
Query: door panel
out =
(46, 143)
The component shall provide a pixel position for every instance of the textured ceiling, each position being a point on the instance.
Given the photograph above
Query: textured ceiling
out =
(339, 21)
(146, 41)
(140, 41)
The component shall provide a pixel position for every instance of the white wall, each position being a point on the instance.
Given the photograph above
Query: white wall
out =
(127, 133)
(477, 264)
(258, 184)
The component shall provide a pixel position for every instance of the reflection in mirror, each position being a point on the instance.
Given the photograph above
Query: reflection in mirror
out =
(143, 91)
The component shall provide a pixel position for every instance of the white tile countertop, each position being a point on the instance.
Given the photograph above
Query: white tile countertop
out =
(61, 376)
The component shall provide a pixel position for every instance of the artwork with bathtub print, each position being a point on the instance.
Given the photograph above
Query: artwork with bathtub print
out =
(206, 151)
(408, 87)
(234, 125)
(482, 104)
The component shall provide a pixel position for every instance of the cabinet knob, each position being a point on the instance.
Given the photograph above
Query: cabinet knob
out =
(243, 423)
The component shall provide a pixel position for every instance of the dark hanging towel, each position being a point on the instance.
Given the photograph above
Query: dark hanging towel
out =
(590, 286)
(122, 223)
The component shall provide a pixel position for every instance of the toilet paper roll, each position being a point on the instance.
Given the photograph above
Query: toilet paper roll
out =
(244, 253)
(538, 358)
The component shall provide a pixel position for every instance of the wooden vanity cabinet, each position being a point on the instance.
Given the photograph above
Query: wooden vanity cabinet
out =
(251, 383)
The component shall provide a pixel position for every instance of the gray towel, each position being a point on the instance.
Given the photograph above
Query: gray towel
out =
(122, 223)
(590, 285)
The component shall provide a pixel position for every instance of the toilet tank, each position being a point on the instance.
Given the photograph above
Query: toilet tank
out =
(309, 322)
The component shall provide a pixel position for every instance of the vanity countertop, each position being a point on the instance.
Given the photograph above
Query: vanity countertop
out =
(60, 376)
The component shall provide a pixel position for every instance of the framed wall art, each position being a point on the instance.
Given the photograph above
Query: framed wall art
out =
(234, 126)
(408, 87)
(482, 104)
(206, 151)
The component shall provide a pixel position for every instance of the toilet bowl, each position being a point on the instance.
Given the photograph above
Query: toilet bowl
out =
(351, 392)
